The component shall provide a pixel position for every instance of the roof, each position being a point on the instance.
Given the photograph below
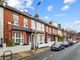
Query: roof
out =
(27, 15)
(16, 10)
(44, 22)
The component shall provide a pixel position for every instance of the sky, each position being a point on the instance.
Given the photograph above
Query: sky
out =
(64, 12)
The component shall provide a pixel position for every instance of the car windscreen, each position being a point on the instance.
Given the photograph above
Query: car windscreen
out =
(56, 45)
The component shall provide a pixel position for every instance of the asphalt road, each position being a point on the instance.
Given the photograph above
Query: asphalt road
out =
(70, 53)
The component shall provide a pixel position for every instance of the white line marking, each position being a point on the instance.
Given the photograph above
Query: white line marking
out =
(45, 58)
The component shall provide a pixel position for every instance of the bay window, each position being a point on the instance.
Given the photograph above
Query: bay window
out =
(18, 38)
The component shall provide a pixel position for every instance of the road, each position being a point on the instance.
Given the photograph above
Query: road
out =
(70, 53)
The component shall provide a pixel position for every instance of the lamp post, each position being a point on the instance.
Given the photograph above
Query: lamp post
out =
(36, 44)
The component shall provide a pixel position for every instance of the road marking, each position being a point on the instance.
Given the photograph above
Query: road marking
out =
(50, 55)
(45, 58)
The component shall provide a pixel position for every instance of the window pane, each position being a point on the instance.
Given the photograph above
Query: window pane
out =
(18, 37)
(25, 22)
(15, 20)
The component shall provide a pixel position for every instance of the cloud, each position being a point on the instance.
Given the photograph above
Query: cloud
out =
(75, 25)
(59, 15)
(77, 22)
(50, 8)
(46, 17)
(29, 4)
(21, 4)
(69, 1)
(13, 2)
(66, 7)
(24, 10)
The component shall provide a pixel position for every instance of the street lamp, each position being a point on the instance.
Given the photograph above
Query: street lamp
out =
(37, 6)
(36, 15)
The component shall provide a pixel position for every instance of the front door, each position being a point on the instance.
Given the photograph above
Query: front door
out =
(28, 39)
(49, 38)
(33, 42)
(0, 42)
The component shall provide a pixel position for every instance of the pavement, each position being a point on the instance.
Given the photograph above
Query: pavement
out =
(25, 54)
(69, 53)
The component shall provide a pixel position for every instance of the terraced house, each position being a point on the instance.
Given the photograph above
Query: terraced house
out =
(15, 26)
(21, 29)
(48, 33)
(38, 34)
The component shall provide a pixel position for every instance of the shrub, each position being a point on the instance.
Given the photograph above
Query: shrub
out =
(26, 44)
(16, 43)
(59, 38)
(10, 43)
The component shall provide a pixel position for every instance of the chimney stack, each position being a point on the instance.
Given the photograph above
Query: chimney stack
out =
(3, 2)
(59, 26)
(36, 16)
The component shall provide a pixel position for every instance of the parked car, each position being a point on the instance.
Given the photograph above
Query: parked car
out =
(75, 41)
(66, 43)
(1, 45)
(71, 42)
(57, 47)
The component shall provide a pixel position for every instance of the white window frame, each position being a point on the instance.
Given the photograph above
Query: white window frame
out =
(21, 38)
(15, 20)
(33, 24)
(41, 38)
(25, 22)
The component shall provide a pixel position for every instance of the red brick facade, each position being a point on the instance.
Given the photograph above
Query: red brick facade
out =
(8, 31)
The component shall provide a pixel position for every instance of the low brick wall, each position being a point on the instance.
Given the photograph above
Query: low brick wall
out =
(15, 49)
(45, 44)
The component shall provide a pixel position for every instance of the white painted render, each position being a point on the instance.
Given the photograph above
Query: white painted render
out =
(55, 31)
(33, 24)
(38, 40)
(43, 29)
(55, 24)
(41, 40)
(1, 23)
(40, 26)
(59, 32)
